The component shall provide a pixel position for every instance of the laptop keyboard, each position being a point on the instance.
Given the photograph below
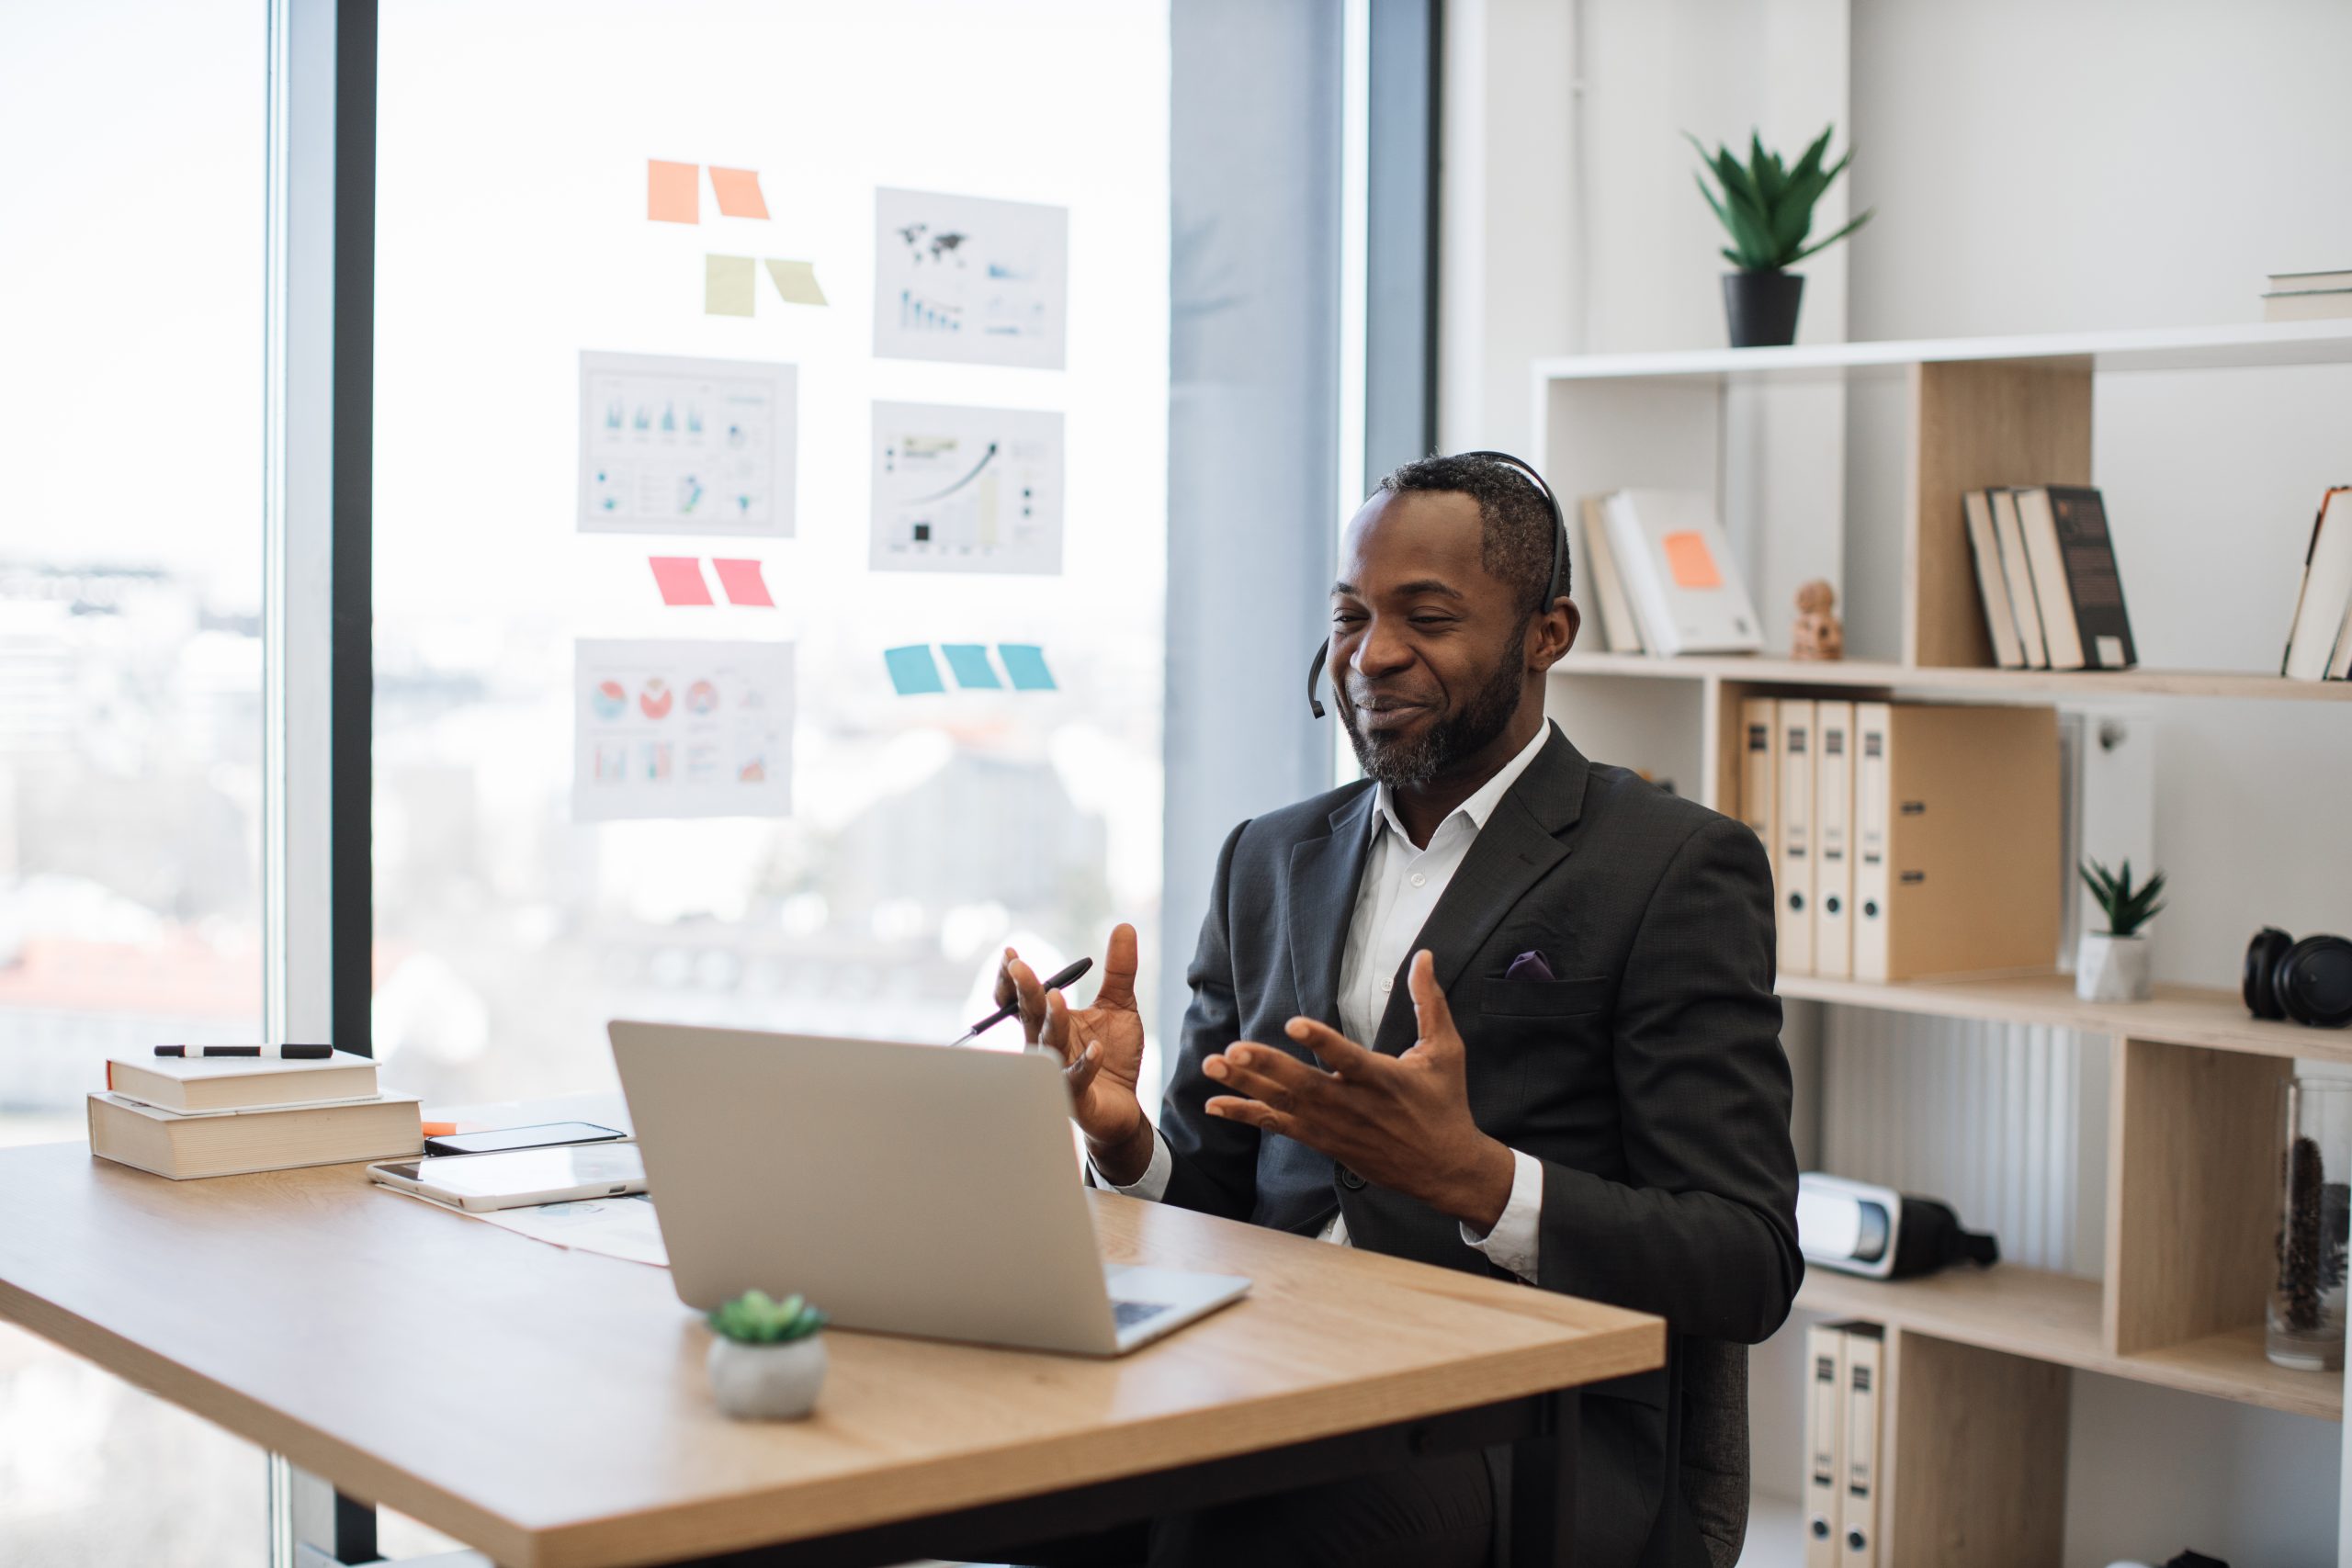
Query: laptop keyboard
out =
(1126, 1314)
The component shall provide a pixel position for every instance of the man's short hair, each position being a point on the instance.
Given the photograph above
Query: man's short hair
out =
(1515, 536)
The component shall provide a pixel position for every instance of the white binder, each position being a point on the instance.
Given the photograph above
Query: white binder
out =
(1872, 723)
(1759, 777)
(1796, 812)
(1833, 849)
(1857, 1501)
(1825, 1443)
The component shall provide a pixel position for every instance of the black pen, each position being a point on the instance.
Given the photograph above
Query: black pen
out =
(288, 1053)
(1009, 1009)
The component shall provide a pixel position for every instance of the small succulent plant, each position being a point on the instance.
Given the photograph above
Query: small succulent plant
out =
(1767, 208)
(757, 1318)
(2128, 909)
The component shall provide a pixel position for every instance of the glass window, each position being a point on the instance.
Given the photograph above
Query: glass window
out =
(556, 181)
(131, 670)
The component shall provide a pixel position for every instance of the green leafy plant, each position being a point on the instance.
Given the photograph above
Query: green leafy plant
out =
(1767, 209)
(757, 1318)
(2127, 908)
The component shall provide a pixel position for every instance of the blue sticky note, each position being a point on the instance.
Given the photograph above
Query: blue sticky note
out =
(969, 663)
(1025, 662)
(913, 669)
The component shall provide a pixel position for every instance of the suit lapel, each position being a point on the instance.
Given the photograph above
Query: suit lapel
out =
(1324, 875)
(1523, 840)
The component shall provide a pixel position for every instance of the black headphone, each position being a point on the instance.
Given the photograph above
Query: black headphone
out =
(1559, 561)
(2309, 981)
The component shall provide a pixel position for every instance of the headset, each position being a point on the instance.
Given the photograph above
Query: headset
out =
(2309, 981)
(1559, 561)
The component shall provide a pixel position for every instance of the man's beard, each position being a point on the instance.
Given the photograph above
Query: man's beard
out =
(1408, 762)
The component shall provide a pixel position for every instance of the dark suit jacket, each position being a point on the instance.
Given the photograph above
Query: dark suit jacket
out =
(1649, 1077)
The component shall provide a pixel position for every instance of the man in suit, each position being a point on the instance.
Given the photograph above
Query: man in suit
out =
(1494, 1007)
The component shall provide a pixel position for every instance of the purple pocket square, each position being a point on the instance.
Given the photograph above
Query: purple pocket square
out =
(1528, 966)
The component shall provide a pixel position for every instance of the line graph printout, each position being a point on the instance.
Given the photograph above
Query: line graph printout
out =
(681, 729)
(967, 490)
(671, 445)
(968, 279)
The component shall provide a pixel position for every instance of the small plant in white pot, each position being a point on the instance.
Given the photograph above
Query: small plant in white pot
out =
(2112, 965)
(768, 1361)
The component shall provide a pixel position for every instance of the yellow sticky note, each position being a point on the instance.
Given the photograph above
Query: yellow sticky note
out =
(728, 284)
(796, 281)
(739, 192)
(673, 193)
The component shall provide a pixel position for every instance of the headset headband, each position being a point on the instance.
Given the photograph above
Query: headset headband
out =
(1559, 560)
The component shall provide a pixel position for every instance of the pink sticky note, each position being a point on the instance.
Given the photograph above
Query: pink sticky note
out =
(679, 580)
(741, 582)
(739, 192)
(672, 192)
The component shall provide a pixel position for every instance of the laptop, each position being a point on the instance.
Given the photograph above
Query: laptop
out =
(903, 1189)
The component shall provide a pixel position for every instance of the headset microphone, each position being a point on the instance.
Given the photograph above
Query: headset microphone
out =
(1559, 563)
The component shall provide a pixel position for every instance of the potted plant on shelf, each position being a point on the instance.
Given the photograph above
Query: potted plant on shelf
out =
(2112, 965)
(768, 1361)
(1768, 211)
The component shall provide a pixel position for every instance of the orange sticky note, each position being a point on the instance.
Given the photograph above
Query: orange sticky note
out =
(673, 193)
(1688, 558)
(739, 192)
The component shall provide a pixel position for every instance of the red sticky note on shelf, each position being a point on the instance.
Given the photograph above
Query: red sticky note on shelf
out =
(679, 580)
(741, 582)
(672, 192)
(739, 192)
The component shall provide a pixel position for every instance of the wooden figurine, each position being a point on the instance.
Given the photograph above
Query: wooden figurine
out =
(1818, 633)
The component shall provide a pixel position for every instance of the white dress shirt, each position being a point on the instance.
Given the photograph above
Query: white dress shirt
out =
(1401, 886)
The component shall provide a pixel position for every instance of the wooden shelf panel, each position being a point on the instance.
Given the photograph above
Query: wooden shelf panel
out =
(2231, 345)
(2014, 685)
(2176, 1015)
(2055, 1317)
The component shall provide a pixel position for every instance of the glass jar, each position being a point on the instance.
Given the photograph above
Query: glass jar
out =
(2305, 1326)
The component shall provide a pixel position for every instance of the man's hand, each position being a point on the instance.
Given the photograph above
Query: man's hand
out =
(1101, 1048)
(1402, 1123)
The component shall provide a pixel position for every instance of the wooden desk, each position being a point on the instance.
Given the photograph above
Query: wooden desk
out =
(551, 1407)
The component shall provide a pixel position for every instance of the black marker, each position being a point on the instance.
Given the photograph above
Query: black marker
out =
(286, 1052)
(1009, 1009)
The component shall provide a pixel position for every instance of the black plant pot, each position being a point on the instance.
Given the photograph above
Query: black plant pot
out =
(1762, 307)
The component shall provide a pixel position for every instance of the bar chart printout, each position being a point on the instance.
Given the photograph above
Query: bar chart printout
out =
(671, 445)
(967, 490)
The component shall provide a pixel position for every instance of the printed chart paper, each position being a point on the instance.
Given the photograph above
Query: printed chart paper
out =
(674, 446)
(967, 489)
(964, 278)
(677, 729)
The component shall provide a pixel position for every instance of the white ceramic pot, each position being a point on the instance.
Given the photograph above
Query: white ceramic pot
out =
(768, 1383)
(2111, 968)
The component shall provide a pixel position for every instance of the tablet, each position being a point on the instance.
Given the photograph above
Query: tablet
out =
(518, 1177)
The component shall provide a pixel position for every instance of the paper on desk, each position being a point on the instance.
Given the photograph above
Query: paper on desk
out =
(618, 1227)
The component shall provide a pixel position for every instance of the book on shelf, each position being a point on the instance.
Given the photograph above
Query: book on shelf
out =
(2319, 638)
(2024, 607)
(2310, 282)
(1833, 810)
(1792, 812)
(1857, 1498)
(1992, 585)
(1825, 1441)
(185, 1145)
(1620, 632)
(2307, 304)
(229, 1083)
(1957, 818)
(1679, 575)
(2075, 579)
(1760, 724)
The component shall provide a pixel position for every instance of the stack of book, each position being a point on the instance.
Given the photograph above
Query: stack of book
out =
(2307, 297)
(1906, 840)
(1655, 563)
(226, 1116)
(2046, 572)
(2318, 640)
